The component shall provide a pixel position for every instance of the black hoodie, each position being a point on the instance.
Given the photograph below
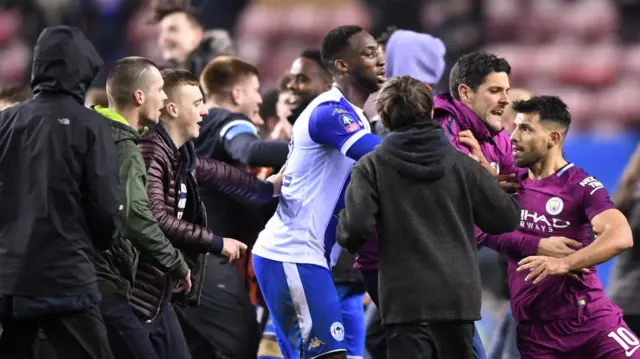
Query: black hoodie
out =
(58, 175)
(423, 198)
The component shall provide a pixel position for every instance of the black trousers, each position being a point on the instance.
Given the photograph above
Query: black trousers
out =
(74, 335)
(442, 340)
(132, 337)
(224, 325)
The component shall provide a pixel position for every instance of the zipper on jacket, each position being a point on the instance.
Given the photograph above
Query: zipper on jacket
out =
(159, 309)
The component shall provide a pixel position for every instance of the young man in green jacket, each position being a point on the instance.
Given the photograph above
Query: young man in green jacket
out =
(134, 89)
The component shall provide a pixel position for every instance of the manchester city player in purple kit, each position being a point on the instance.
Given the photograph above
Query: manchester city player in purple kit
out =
(561, 310)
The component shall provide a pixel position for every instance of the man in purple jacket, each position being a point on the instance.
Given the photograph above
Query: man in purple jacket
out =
(479, 85)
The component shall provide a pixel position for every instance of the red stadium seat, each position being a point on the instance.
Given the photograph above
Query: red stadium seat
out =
(502, 19)
(594, 66)
(618, 102)
(631, 61)
(590, 20)
(581, 104)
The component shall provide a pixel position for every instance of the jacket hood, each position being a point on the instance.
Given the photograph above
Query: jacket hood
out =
(120, 128)
(64, 60)
(418, 151)
(420, 56)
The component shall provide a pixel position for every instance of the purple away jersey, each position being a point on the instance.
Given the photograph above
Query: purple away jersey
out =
(560, 205)
(563, 317)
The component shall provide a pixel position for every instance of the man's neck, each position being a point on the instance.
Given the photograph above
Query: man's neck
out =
(547, 166)
(132, 116)
(176, 136)
(211, 103)
(353, 94)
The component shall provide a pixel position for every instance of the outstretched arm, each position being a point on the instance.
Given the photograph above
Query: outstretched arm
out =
(230, 180)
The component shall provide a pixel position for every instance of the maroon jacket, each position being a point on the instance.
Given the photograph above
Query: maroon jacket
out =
(174, 177)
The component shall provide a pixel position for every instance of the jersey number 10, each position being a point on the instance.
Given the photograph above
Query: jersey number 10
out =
(627, 340)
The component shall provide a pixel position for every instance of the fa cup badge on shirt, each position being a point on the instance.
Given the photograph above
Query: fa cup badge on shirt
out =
(554, 205)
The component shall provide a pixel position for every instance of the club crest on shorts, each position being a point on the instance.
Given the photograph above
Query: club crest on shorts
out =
(337, 331)
(554, 206)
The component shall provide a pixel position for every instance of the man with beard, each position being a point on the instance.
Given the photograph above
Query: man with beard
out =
(561, 308)
(291, 256)
(136, 97)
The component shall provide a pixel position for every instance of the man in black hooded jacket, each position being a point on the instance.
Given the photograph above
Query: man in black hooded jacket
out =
(423, 198)
(60, 192)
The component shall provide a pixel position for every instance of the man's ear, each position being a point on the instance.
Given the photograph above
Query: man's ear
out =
(138, 97)
(172, 109)
(341, 66)
(236, 96)
(465, 93)
(555, 137)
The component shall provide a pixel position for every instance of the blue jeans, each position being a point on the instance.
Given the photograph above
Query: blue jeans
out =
(351, 297)
(370, 278)
(504, 345)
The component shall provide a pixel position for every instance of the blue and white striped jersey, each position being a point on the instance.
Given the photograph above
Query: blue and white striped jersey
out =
(327, 138)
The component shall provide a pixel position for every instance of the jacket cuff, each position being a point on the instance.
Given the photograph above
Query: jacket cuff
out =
(265, 192)
(181, 272)
(216, 245)
(530, 245)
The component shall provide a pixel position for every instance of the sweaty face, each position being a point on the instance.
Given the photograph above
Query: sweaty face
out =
(154, 97)
(307, 81)
(530, 140)
(366, 62)
(190, 108)
(490, 100)
(249, 99)
(178, 37)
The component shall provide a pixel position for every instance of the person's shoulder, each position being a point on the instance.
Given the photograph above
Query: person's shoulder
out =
(368, 163)
(329, 109)
(580, 179)
(462, 159)
(152, 143)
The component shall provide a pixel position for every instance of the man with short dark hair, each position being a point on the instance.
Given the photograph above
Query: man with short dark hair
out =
(308, 78)
(60, 192)
(136, 98)
(561, 309)
(291, 256)
(430, 290)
